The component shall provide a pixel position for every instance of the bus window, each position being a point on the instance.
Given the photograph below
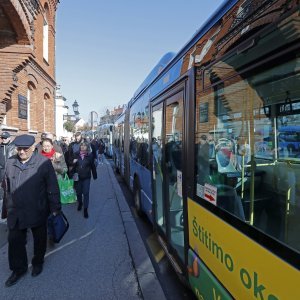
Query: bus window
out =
(288, 139)
(139, 129)
(249, 155)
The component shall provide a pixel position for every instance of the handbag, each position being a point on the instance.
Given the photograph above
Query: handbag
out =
(67, 193)
(75, 177)
(58, 225)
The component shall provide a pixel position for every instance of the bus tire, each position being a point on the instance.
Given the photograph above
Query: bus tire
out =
(137, 198)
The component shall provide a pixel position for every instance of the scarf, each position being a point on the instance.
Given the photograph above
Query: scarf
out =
(48, 154)
(83, 154)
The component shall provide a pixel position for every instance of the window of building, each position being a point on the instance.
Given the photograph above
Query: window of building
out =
(45, 40)
(46, 99)
(46, 34)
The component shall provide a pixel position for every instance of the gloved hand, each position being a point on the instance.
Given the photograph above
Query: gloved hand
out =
(55, 213)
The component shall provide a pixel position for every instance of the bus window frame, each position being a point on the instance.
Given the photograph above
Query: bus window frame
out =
(280, 249)
(184, 84)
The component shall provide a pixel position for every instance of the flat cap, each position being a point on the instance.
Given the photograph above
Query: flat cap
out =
(78, 133)
(5, 135)
(24, 140)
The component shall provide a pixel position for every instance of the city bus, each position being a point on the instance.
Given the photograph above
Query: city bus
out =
(202, 141)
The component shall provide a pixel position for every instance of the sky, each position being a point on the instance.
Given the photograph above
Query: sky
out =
(105, 49)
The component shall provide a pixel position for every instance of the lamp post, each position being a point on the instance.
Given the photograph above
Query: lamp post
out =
(75, 109)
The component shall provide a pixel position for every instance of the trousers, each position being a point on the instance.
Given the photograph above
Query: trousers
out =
(17, 239)
(82, 187)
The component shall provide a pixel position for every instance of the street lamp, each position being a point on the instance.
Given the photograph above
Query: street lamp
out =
(75, 108)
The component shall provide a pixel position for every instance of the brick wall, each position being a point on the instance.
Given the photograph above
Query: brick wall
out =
(23, 68)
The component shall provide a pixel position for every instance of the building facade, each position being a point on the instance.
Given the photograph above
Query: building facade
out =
(27, 66)
(112, 115)
(61, 113)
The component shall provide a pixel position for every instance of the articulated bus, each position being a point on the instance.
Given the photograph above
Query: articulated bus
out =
(209, 144)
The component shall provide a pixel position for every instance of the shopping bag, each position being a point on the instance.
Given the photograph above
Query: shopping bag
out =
(58, 225)
(67, 193)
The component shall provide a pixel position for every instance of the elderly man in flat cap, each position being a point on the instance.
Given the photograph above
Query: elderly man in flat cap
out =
(31, 194)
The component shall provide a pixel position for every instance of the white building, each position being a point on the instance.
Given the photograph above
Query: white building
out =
(61, 109)
(79, 124)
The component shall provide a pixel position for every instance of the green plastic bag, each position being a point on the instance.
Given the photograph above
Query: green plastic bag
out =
(67, 193)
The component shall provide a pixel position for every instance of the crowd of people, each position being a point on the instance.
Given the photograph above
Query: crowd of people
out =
(29, 175)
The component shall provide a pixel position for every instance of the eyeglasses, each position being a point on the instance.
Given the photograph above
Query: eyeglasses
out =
(25, 149)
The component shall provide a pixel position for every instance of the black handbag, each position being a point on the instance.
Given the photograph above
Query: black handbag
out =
(58, 225)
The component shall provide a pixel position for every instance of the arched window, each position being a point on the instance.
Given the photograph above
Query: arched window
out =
(30, 96)
(46, 100)
(46, 33)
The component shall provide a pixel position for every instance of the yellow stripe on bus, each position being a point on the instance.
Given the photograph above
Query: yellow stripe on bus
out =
(245, 268)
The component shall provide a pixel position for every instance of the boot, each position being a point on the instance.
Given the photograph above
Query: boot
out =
(79, 206)
(85, 213)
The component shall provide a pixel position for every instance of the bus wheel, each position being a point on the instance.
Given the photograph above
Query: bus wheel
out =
(137, 198)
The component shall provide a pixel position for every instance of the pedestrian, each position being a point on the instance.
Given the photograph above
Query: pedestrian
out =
(83, 166)
(101, 149)
(38, 146)
(47, 135)
(64, 144)
(95, 151)
(31, 194)
(57, 159)
(7, 149)
(73, 151)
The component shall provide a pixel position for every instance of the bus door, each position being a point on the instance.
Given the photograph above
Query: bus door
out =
(167, 138)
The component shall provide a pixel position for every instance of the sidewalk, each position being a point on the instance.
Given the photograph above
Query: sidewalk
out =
(102, 257)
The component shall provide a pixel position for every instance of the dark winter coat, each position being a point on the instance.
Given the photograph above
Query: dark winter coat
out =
(6, 151)
(101, 148)
(31, 191)
(85, 167)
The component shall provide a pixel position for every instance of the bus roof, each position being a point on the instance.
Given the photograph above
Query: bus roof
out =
(155, 72)
(173, 59)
